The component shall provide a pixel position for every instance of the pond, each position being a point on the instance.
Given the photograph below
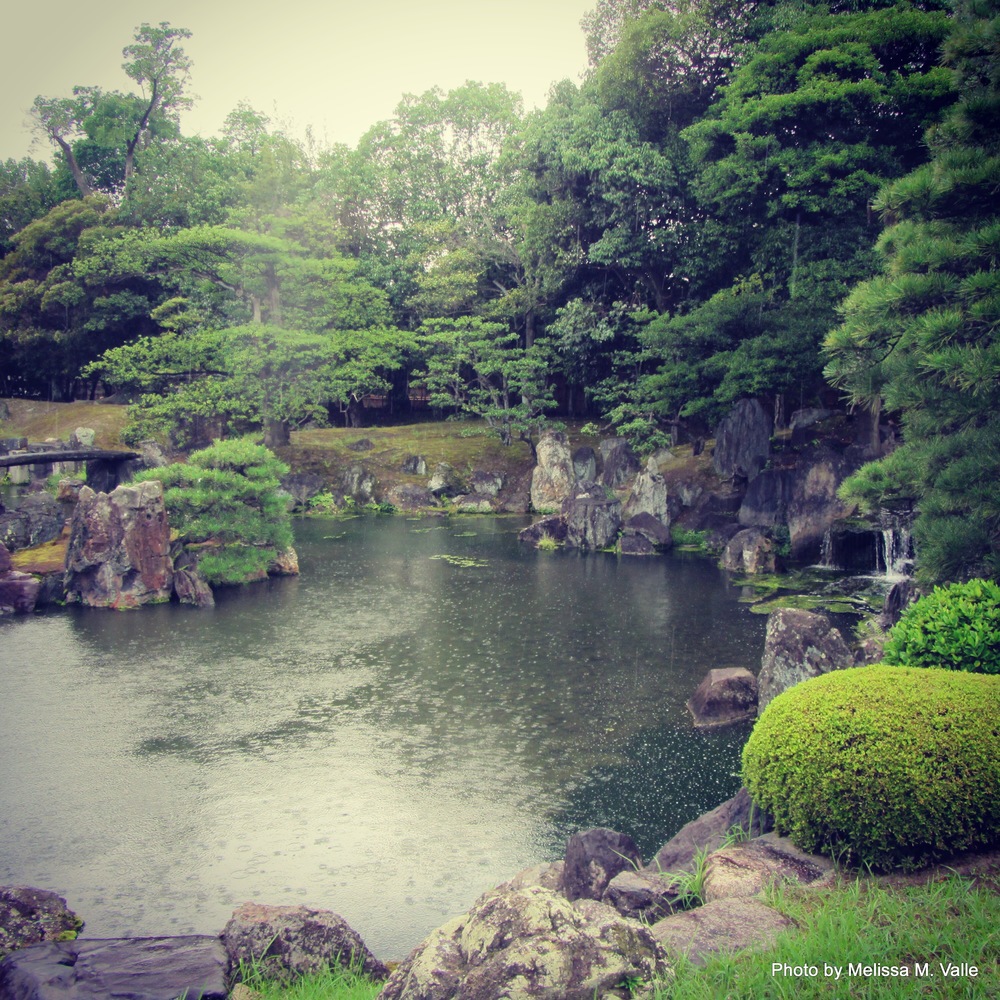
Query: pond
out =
(427, 709)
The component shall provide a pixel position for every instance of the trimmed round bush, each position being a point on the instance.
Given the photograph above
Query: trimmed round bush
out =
(893, 767)
(955, 628)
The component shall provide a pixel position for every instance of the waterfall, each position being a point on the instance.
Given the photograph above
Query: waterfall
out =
(826, 551)
(894, 558)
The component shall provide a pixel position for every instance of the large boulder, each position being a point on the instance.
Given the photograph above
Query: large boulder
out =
(798, 645)
(592, 522)
(529, 942)
(619, 462)
(553, 477)
(709, 831)
(724, 925)
(548, 529)
(30, 916)
(642, 895)
(445, 482)
(302, 487)
(408, 496)
(815, 505)
(743, 441)
(38, 519)
(359, 484)
(648, 496)
(585, 463)
(132, 968)
(593, 858)
(119, 548)
(287, 941)
(748, 868)
(485, 483)
(725, 696)
(750, 551)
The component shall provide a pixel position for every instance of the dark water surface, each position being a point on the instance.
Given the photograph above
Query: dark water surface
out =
(387, 736)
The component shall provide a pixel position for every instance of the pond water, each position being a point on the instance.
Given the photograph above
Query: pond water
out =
(388, 735)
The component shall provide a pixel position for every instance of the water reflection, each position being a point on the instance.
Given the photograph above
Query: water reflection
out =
(387, 735)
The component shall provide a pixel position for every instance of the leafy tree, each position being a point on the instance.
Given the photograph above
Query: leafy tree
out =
(225, 503)
(921, 339)
(91, 126)
(27, 191)
(479, 368)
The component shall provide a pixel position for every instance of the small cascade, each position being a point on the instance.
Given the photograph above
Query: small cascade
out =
(894, 558)
(826, 558)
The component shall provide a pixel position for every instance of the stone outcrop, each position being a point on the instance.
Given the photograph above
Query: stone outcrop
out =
(486, 484)
(723, 925)
(548, 528)
(750, 551)
(473, 503)
(285, 563)
(746, 869)
(359, 484)
(119, 548)
(18, 591)
(814, 505)
(709, 831)
(414, 465)
(592, 522)
(618, 461)
(38, 519)
(585, 463)
(593, 858)
(407, 496)
(725, 696)
(651, 528)
(642, 895)
(648, 496)
(798, 645)
(133, 968)
(553, 477)
(287, 941)
(528, 942)
(31, 916)
(445, 482)
(743, 441)
(302, 487)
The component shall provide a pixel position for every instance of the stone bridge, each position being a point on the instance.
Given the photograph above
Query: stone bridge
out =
(105, 469)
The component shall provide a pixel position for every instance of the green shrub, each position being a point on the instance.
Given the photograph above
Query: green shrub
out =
(228, 494)
(886, 766)
(955, 627)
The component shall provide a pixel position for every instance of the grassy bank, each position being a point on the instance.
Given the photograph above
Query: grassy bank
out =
(37, 420)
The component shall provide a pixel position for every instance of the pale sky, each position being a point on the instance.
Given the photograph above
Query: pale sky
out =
(338, 66)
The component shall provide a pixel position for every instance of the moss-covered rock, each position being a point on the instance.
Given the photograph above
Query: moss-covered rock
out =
(883, 765)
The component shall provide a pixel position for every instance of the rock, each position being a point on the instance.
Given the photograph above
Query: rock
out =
(798, 645)
(192, 588)
(765, 503)
(243, 992)
(720, 926)
(18, 592)
(659, 457)
(528, 943)
(709, 831)
(802, 419)
(548, 875)
(725, 696)
(633, 544)
(414, 465)
(407, 496)
(743, 441)
(648, 496)
(151, 455)
(358, 484)
(285, 563)
(553, 477)
(473, 503)
(5, 564)
(746, 869)
(619, 462)
(515, 496)
(288, 941)
(814, 505)
(302, 487)
(547, 528)
(585, 463)
(445, 482)
(82, 437)
(591, 522)
(641, 895)
(132, 968)
(901, 595)
(750, 551)
(37, 520)
(650, 528)
(593, 859)
(30, 916)
(362, 444)
(487, 484)
(119, 548)
(68, 490)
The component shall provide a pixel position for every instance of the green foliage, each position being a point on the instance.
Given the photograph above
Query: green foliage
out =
(885, 766)
(226, 500)
(955, 628)
(333, 983)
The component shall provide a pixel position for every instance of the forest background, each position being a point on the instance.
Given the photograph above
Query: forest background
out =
(785, 200)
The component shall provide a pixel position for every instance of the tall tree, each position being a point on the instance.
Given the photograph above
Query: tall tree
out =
(922, 339)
